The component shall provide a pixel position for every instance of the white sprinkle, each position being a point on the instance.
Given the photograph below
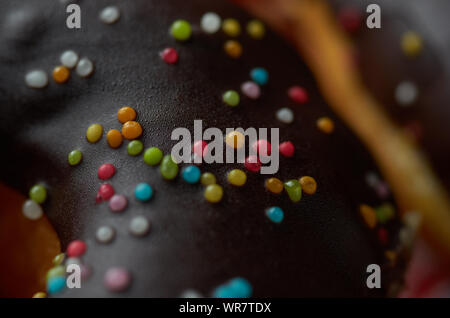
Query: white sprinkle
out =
(105, 234)
(69, 59)
(285, 115)
(191, 293)
(85, 67)
(372, 179)
(109, 15)
(210, 22)
(139, 226)
(73, 260)
(406, 93)
(36, 79)
(31, 210)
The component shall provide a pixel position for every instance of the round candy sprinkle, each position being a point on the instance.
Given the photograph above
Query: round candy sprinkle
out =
(106, 171)
(286, 149)
(143, 192)
(191, 293)
(350, 18)
(135, 147)
(56, 284)
(191, 174)
(255, 29)
(294, 190)
(213, 193)
(59, 259)
(118, 203)
(131, 130)
(285, 115)
(200, 148)
(383, 236)
(252, 163)
(385, 212)
(259, 75)
(369, 215)
(38, 193)
(251, 90)
(40, 295)
(31, 210)
(109, 15)
(69, 59)
(262, 147)
(406, 93)
(231, 27)
(153, 156)
(74, 157)
(168, 168)
(275, 214)
(274, 185)
(105, 234)
(181, 30)
(94, 133)
(125, 114)
(139, 226)
(325, 125)
(231, 98)
(76, 248)
(309, 184)
(55, 272)
(411, 44)
(298, 94)
(210, 22)
(106, 191)
(36, 79)
(61, 74)
(233, 49)
(235, 139)
(117, 279)
(85, 67)
(73, 260)
(236, 288)
(237, 177)
(169, 55)
(114, 138)
(207, 178)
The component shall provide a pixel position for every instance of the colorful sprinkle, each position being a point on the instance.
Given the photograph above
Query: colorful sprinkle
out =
(231, 27)
(207, 179)
(61, 74)
(85, 67)
(181, 30)
(169, 55)
(235, 139)
(350, 19)
(369, 215)
(275, 214)
(259, 75)
(59, 259)
(309, 184)
(251, 90)
(131, 130)
(117, 279)
(285, 115)
(139, 226)
(36, 79)
(114, 138)
(74, 157)
(298, 94)
(168, 168)
(76, 248)
(325, 124)
(411, 44)
(252, 163)
(383, 236)
(135, 147)
(56, 284)
(32, 210)
(237, 177)
(274, 185)
(191, 174)
(106, 191)
(262, 147)
(55, 272)
(105, 234)
(287, 149)
(256, 29)
(153, 156)
(236, 288)
(106, 171)
(294, 190)
(233, 49)
(118, 203)
(406, 93)
(69, 59)
(143, 192)
(109, 15)
(231, 98)
(385, 212)
(40, 295)
(38, 193)
(125, 114)
(210, 22)
(94, 133)
(213, 193)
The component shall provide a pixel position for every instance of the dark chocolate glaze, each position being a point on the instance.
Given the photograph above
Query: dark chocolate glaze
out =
(322, 247)
(384, 65)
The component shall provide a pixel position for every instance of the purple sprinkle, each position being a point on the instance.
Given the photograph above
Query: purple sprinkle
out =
(118, 203)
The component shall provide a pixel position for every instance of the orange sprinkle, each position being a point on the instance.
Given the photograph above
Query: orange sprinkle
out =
(126, 114)
(131, 130)
(309, 184)
(274, 185)
(61, 74)
(391, 256)
(233, 49)
(325, 124)
(369, 215)
(114, 138)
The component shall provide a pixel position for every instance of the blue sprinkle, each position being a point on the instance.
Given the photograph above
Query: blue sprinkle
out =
(236, 288)
(259, 75)
(56, 284)
(191, 174)
(275, 214)
(143, 192)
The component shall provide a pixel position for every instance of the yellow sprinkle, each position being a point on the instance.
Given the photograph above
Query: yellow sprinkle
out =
(369, 215)
(411, 44)
(94, 133)
(235, 139)
(40, 295)
(274, 185)
(237, 177)
(233, 49)
(58, 259)
(213, 193)
(390, 255)
(207, 179)
(325, 124)
(231, 27)
(309, 184)
(255, 29)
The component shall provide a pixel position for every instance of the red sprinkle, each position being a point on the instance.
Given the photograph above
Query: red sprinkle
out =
(200, 148)
(287, 149)
(383, 236)
(106, 191)
(252, 163)
(76, 248)
(262, 147)
(350, 19)
(169, 55)
(298, 94)
(106, 171)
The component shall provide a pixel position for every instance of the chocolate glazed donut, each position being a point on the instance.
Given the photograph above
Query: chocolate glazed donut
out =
(321, 248)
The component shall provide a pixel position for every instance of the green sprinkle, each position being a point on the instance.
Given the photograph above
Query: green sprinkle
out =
(38, 194)
(153, 156)
(385, 212)
(169, 169)
(181, 30)
(231, 98)
(135, 147)
(58, 259)
(74, 157)
(294, 190)
(55, 272)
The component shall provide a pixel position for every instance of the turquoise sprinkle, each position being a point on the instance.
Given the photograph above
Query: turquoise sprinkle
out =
(191, 174)
(56, 284)
(259, 75)
(275, 214)
(143, 192)
(236, 288)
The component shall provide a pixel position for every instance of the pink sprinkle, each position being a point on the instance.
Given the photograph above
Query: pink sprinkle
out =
(169, 55)
(251, 90)
(383, 236)
(106, 191)
(252, 163)
(262, 147)
(350, 19)
(382, 190)
(106, 171)
(200, 148)
(287, 149)
(76, 248)
(118, 203)
(298, 94)
(117, 279)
